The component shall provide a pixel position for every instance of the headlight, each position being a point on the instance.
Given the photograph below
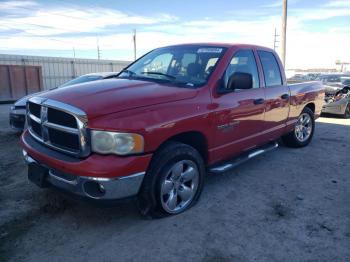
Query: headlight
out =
(104, 142)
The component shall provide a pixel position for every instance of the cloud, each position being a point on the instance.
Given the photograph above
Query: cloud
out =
(62, 28)
(44, 21)
(338, 3)
(322, 13)
(16, 4)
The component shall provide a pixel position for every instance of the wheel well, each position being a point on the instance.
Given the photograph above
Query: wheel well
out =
(195, 139)
(311, 106)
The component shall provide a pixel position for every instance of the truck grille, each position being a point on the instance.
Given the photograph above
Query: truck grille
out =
(59, 126)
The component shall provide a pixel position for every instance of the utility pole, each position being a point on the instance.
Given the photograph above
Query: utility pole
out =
(74, 70)
(134, 40)
(98, 48)
(284, 31)
(275, 40)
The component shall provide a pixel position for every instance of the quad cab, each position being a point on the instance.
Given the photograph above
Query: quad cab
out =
(168, 118)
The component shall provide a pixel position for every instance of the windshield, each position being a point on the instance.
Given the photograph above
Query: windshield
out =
(82, 79)
(189, 66)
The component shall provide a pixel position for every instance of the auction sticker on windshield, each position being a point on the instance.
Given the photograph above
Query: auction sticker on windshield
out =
(210, 50)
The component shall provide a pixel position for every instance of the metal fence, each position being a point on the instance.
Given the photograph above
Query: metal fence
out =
(17, 81)
(57, 70)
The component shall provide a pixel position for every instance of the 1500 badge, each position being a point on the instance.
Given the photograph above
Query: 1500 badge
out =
(229, 126)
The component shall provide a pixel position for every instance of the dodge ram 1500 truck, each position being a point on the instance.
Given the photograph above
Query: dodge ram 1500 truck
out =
(171, 117)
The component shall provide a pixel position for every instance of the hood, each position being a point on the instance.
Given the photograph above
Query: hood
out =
(115, 95)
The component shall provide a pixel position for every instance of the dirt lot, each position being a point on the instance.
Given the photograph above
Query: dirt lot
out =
(288, 205)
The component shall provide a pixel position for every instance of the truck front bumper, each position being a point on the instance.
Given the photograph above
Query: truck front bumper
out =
(88, 187)
(96, 177)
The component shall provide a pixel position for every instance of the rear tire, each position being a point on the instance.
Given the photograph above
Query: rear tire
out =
(303, 131)
(173, 182)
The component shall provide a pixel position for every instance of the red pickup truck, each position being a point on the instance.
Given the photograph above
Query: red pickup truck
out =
(169, 118)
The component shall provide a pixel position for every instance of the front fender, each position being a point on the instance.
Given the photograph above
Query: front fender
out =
(160, 122)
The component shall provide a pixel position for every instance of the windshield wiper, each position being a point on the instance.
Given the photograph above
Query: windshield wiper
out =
(171, 78)
(131, 73)
(159, 73)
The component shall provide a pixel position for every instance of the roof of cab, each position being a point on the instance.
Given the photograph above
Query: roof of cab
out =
(227, 45)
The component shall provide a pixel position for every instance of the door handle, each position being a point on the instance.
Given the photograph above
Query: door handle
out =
(259, 101)
(285, 96)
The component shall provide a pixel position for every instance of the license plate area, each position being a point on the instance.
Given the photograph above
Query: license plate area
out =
(38, 174)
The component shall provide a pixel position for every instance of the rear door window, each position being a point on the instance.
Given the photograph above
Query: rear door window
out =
(271, 69)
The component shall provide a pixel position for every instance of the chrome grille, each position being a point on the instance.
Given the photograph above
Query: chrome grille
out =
(58, 125)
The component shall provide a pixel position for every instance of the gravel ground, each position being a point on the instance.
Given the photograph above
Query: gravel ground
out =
(287, 205)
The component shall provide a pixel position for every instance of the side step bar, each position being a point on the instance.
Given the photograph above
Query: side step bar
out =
(230, 164)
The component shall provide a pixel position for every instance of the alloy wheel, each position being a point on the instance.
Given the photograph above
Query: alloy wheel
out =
(303, 128)
(179, 186)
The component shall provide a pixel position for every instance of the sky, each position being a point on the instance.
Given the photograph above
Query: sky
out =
(318, 30)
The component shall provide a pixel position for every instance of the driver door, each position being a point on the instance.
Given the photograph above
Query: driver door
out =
(240, 114)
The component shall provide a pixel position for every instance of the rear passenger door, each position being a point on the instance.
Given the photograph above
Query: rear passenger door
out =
(276, 96)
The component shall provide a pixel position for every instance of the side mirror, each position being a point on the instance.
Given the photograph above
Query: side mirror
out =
(240, 80)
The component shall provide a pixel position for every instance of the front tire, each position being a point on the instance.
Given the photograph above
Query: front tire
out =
(173, 182)
(303, 130)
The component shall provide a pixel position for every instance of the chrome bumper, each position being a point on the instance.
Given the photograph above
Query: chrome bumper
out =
(97, 188)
